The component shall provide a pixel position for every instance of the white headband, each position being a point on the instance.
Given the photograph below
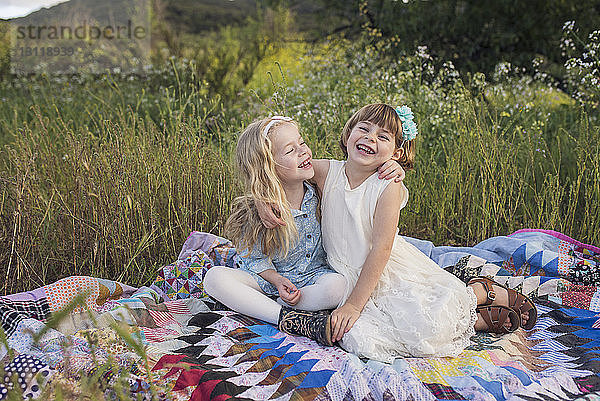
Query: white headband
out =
(274, 119)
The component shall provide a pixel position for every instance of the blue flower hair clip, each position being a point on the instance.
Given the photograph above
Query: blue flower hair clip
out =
(409, 128)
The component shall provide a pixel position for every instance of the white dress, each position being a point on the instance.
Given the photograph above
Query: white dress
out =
(417, 308)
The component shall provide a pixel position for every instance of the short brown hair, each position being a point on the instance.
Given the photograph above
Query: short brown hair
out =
(386, 117)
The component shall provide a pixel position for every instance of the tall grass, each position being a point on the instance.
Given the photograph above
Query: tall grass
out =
(110, 182)
(115, 201)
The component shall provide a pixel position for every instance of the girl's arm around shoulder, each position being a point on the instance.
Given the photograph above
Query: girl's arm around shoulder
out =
(321, 167)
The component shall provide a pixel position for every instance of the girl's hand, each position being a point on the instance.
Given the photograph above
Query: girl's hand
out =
(342, 320)
(268, 214)
(288, 291)
(390, 170)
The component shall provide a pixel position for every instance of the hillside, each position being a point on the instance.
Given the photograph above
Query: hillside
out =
(197, 16)
(103, 10)
(314, 17)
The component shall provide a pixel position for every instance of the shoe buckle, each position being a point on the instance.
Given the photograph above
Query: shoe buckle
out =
(491, 295)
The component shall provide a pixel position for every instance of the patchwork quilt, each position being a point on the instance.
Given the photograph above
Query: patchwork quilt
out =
(86, 337)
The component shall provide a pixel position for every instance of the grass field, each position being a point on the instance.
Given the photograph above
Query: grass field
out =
(106, 176)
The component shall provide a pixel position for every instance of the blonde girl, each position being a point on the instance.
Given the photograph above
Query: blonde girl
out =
(287, 263)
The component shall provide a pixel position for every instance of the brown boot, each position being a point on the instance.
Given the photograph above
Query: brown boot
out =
(314, 325)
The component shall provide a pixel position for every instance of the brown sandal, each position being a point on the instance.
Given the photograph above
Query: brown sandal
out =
(518, 302)
(495, 316)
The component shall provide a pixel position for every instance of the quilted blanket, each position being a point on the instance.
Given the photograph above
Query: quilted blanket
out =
(95, 338)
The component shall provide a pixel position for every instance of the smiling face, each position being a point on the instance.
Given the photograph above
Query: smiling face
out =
(370, 145)
(293, 157)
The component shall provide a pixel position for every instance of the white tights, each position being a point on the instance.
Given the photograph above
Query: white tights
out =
(239, 291)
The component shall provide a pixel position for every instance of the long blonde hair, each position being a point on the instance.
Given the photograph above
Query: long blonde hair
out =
(256, 166)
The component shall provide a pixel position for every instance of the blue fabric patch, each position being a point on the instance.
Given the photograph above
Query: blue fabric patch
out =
(576, 312)
(290, 358)
(536, 262)
(552, 267)
(587, 333)
(591, 344)
(300, 367)
(316, 379)
(264, 343)
(263, 330)
(522, 376)
(519, 257)
(493, 387)
(278, 352)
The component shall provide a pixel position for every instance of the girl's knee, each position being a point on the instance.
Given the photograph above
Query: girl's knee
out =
(213, 278)
(338, 280)
(336, 286)
(222, 279)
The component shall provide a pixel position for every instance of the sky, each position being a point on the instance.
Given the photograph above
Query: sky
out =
(20, 8)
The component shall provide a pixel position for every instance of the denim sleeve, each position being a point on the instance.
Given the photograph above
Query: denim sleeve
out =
(255, 261)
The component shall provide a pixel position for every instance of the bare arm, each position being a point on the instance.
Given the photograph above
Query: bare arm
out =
(385, 223)
(321, 167)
